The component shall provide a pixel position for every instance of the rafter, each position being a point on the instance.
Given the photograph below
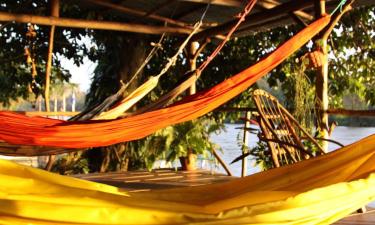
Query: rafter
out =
(189, 11)
(159, 7)
(269, 4)
(137, 12)
(92, 24)
(255, 18)
(233, 3)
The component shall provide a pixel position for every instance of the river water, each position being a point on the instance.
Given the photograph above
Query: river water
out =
(228, 141)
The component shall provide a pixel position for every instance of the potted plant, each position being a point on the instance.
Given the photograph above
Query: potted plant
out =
(190, 139)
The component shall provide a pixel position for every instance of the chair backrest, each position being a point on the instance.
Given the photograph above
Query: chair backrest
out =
(282, 133)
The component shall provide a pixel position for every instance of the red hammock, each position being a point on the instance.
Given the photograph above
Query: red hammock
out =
(19, 129)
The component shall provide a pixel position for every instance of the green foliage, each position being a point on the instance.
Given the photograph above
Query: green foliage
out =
(352, 68)
(71, 163)
(192, 135)
(15, 73)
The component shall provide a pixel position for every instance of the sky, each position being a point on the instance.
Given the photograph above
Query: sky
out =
(80, 75)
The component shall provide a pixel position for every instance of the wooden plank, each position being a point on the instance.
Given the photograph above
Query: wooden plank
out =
(367, 218)
(252, 19)
(137, 12)
(159, 7)
(349, 112)
(157, 179)
(92, 24)
(269, 4)
(232, 3)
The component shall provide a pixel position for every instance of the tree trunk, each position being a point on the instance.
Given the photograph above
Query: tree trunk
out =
(132, 57)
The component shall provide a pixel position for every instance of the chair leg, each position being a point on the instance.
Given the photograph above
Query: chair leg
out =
(362, 210)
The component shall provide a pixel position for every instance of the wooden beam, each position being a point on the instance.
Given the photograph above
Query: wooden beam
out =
(269, 4)
(233, 3)
(189, 11)
(346, 112)
(269, 24)
(159, 7)
(349, 112)
(92, 24)
(47, 114)
(137, 12)
(252, 19)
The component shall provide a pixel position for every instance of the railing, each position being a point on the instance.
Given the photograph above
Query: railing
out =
(248, 113)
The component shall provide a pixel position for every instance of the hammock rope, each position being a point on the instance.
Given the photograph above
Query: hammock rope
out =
(339, 6)
(194, 75)
(242, 17)
(141, 91)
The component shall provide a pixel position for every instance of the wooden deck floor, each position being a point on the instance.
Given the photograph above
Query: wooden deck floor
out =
(367, 218)
(156, 179)
(167, 178)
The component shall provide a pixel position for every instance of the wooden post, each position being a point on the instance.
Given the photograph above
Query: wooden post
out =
(39, 104)
(73, 101)
(245, 143)
(322, 72)
(192, 61)
(64, 102)
(321, 82)
(194, 46)
(222, 162)
(55, 103)
(55, 13)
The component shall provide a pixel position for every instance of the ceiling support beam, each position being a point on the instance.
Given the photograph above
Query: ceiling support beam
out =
(189, 11)
(92, 24)
(269, 4)
(159, 7)
(233, 3)
(137, 12)
(252, 19)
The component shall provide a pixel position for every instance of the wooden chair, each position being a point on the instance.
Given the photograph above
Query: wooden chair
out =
(285, 137)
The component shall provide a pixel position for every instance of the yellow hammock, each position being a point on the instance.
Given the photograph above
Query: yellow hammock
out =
(317, 191)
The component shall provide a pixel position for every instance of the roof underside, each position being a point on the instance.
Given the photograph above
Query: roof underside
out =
(265, 15)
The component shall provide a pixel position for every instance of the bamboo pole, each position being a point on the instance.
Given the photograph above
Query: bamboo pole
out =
(194, 46)
(321, 83)
(55, 8)
(92, 24)
(222, 162)
(245, 144)
(54, 13)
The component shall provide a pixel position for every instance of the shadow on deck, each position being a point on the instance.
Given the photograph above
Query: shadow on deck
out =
(135, 181)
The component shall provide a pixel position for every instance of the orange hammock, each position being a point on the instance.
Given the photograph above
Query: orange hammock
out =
(19, 129)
